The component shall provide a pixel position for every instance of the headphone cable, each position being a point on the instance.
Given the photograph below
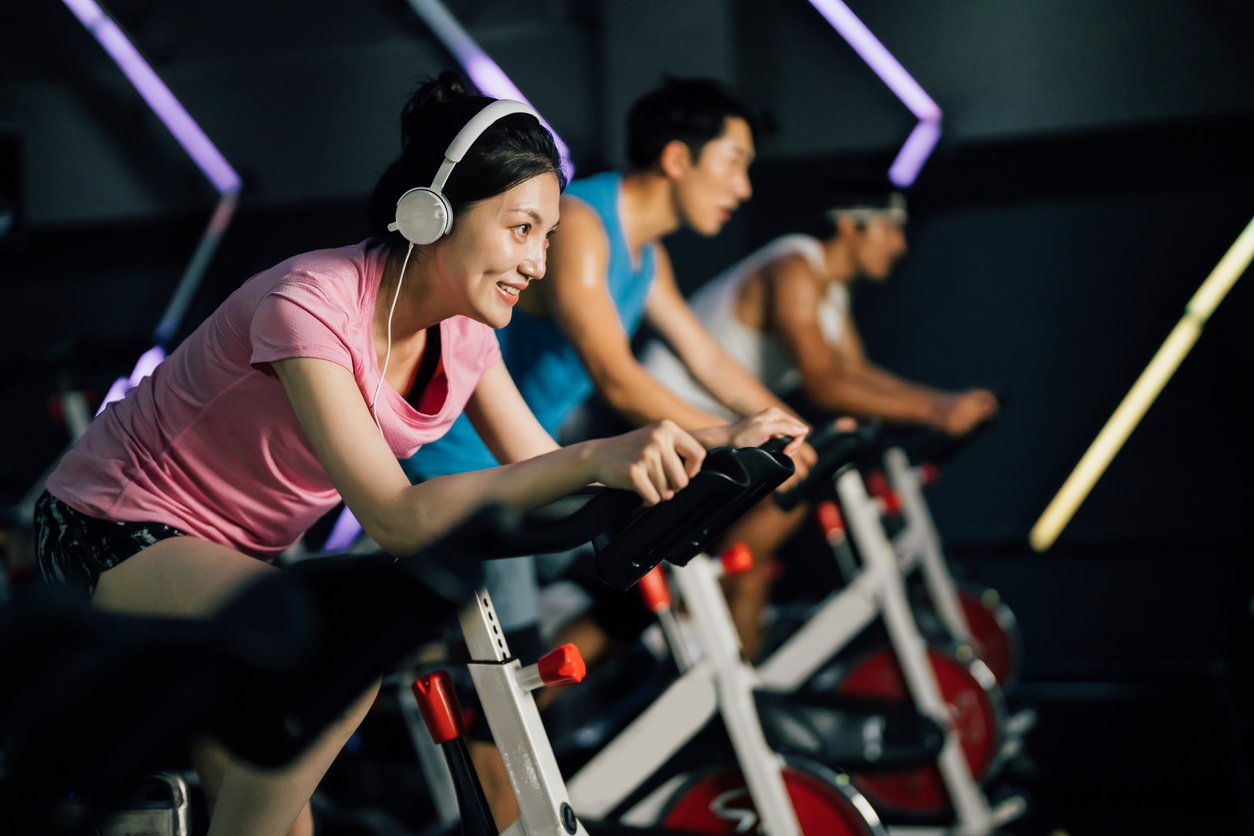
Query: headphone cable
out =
(387, 358)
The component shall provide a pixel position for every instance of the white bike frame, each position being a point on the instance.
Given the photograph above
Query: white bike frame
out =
(880, 591)
(722, 682)
(504, 689)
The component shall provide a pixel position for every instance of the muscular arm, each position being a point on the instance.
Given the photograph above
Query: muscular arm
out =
(836, 379)
(710, 364)
(403, 518)
(579, 301)
(853, 357)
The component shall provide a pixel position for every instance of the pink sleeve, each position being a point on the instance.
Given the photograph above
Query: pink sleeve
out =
(491, 350)
(297, 320)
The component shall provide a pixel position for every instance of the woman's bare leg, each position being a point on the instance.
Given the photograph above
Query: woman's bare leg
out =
(189, 577)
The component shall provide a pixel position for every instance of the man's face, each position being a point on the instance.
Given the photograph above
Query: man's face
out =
(877, 246)
(708, 189)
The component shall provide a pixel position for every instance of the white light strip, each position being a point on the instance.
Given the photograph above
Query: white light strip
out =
(1138, 400)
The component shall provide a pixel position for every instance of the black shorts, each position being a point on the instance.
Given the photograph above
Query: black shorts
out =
(73, 549)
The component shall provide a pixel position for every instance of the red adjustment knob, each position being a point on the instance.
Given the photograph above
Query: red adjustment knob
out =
(877, 486)
(929, 474)
(655, 590)
(830, 520)
(736, 559)
(562, 666)
(438, 702)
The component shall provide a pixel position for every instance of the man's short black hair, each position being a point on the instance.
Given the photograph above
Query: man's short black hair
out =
(691, 110)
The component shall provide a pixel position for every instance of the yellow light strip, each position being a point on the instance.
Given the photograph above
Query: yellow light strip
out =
(1129, 413)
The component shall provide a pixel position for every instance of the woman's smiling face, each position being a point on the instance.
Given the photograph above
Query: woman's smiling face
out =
(497, 247)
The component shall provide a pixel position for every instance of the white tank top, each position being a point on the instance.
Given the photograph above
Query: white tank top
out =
(759, 352)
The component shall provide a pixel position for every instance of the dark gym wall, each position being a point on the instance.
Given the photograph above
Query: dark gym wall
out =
(287, 88)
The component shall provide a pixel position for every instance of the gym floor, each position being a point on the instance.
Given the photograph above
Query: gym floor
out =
(1138, 664)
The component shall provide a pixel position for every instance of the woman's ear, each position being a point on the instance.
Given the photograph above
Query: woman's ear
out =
(676, 159)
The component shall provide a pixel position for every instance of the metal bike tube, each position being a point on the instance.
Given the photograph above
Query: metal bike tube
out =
(842, 616)
(863, 517)
(643, 747)
(940, 583)
(735, 682)
(543, 804)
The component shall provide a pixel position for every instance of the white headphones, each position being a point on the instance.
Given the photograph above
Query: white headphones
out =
(423, 215)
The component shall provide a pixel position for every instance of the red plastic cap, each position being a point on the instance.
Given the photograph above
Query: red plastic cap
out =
(830, 520)
(655, 590)
(562, 666)
(877, 486)
(438, 702)
(929, 474)
(736, 559)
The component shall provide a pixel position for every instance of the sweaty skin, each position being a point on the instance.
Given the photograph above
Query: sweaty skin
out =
(678, 191)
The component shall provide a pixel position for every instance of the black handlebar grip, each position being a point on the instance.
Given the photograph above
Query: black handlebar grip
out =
(777, 445)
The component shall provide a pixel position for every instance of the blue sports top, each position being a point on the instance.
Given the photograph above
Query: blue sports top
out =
(544, 365)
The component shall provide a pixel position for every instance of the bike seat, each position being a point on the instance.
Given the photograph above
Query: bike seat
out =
(91, 700)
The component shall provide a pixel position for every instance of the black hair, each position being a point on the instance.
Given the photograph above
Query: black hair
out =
(693, 111)
(512, 150)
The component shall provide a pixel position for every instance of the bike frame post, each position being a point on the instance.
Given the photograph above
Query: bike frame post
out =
(543, 803)
(862, 513)
(936, 576)
(735, 682)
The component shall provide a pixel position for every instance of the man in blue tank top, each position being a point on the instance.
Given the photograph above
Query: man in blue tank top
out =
(690, 145)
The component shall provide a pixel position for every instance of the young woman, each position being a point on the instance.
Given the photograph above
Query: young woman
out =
(307, 385)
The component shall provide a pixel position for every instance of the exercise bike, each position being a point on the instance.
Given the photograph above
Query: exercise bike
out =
(625, 784)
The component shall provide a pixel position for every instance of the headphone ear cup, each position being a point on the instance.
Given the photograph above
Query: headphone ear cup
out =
(423, 215)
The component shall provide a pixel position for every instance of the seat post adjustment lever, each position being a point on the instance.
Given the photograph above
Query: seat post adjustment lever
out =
(561, 666)
(440, 709)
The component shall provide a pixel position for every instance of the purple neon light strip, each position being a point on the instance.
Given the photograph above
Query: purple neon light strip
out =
(910, 159)
(923, 138)
(879, 59)
(483, 71)
(149, 85)
(343, 533)
(185, 131)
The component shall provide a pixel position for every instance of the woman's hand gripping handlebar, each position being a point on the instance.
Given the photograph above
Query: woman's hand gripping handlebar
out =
(654, 461)
(729, 483)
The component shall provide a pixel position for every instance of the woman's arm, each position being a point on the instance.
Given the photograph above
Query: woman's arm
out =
(654, 461)
(512, 433)
(503, 419)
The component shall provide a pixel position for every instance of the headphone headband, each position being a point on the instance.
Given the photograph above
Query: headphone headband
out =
(432, 217)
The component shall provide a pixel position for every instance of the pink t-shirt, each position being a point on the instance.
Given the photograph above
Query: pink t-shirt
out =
(210, 444)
